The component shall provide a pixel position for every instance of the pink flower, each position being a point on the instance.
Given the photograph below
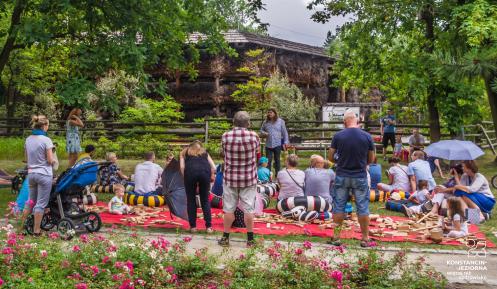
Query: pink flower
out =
(12, 235)
(130, 266)
(76, 248)
(53, 235)
(241, 257)
(211, 286)
(7, 251)
(30, 280)
(173, 279)
(81, 286)
(1, 282)
(75, 276)
(105, 260)
(30, 203)
(112, 249)
(43, 253)
(65, 264)
(169, 269)
(140, 281)
(118, 264)
(11, 242)
(95, 270)
(372, 244)
(187, 239)
(298, 251)
(116, 277)
(84, 238)
(127, 284)
(307, 245)
(337, 275)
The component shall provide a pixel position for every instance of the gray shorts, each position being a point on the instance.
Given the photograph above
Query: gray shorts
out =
(40, 187)
(245, 196)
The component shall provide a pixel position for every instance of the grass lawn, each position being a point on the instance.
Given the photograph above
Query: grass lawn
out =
(486, 164)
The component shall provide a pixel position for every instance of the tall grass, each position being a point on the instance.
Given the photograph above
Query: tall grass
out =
(12, 148)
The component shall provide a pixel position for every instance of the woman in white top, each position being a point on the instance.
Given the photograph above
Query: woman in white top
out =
(397, 176)
(291, 179)
(39, 157)
(474, 190)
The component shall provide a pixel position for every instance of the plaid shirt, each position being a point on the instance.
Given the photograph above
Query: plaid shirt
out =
(240, 148)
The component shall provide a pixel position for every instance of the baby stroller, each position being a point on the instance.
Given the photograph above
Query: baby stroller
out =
(62, 211)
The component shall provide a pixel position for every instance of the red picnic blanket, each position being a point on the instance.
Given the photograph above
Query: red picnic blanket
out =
(281, 229)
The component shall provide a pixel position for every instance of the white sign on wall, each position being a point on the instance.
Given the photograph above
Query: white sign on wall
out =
(335, 113)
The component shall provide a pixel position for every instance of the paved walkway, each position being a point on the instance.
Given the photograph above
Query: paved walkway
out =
(470, 271)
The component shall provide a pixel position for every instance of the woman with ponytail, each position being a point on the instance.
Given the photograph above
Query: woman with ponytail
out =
(39, 157)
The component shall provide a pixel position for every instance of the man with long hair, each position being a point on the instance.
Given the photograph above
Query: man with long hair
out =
(276, 134)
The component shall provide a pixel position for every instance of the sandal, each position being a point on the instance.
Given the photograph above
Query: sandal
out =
(368, 243)
(224, 242)
(406, 211)
(334, 242)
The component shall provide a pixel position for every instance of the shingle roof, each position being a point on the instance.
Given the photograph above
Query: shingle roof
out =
(234, 36)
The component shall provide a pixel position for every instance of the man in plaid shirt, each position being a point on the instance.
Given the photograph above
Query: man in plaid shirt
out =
(240, 147)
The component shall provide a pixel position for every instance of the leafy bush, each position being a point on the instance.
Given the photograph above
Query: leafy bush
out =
(149, 110)
(129, 261)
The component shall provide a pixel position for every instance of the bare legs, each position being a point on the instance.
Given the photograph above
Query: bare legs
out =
(229, 218)
(72, 157)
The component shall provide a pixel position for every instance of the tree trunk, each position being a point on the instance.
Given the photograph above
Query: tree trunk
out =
(492, 99)
(12, 34)
(434, 117)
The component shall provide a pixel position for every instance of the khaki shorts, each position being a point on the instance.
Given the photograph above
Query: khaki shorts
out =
(245, 196)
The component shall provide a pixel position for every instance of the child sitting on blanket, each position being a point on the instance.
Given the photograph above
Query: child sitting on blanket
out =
(112, 174)
(116, 204)
(263, 173)
(459, 227)
(421, 196)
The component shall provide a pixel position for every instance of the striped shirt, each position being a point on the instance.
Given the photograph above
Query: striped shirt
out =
(277, 133)
(240, 148)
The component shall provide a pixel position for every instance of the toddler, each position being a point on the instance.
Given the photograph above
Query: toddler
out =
(458, 227)
(397, 150)
(421, 196)
(116, 204)
(263, 173)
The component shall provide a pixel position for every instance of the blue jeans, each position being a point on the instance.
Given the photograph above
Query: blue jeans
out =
(358, 187)
(274, 153)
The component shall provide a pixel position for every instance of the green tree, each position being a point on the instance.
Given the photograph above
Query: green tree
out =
(254, 95)
(394, 45)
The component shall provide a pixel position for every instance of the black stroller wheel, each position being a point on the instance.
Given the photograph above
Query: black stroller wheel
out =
(65, 228)
(29, 225)
(47, 223)
(494, 182)
(93, 222)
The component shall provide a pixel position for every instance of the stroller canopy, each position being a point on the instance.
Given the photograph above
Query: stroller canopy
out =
(77, 177)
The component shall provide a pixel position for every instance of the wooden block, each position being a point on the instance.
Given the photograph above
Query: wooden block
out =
(380, 220)
(403, 227)
(396, 234)
(374, 217)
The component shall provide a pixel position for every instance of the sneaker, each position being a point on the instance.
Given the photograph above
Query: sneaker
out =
(224, 242)
(334, 242)
(209, 230)
(406, 211)
(251, 243)
(368, 243)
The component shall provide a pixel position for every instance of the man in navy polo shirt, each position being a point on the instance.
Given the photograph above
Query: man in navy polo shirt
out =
(352, 149)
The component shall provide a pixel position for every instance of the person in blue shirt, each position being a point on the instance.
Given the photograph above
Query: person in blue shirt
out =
(418, 170)
(263, 173)
(387, 127)
(276, 134)
(375, 174)
(353, 149)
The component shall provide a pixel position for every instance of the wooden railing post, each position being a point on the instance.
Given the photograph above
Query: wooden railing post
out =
(206, 128)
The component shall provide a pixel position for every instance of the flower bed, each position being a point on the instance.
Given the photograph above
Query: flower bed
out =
(128, 261)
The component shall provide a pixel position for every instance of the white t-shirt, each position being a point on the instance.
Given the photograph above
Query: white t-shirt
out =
(36, 150)
(421, 196)
(479, 184)
(464, 224)
(400, 178)
(288, 187)
(147, 177)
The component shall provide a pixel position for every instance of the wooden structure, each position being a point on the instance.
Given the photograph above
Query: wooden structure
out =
(210, 93)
